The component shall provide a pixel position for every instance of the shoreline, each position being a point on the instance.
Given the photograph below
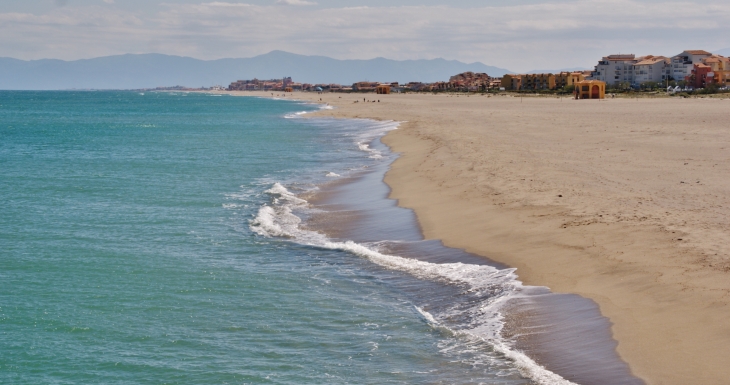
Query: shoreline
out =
(667, 298)
(579, 346)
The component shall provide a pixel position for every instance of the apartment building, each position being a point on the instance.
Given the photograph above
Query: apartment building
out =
(528, 82)
(714, 69)
(565, 79)
(701, 75)
(720, 66)
(511, 82)
(651, 69)
(540, 81)
(683, 63)
(614, 69)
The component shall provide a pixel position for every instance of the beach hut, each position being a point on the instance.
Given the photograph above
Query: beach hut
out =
(383, 89)
(590, 89)
(288, 89)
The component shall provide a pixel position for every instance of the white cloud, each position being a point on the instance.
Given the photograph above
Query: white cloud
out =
(518, 37)
(223, 4)
(295, 2)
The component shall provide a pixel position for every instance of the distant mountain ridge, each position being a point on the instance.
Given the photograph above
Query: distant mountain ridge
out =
(132, 71)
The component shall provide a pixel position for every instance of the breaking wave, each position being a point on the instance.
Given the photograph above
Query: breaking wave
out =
(475, 316)
(374, 154)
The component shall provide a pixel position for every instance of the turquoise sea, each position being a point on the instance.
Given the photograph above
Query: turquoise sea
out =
(161, 238)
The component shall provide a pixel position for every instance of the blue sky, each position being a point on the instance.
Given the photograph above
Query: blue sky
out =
(519, 35)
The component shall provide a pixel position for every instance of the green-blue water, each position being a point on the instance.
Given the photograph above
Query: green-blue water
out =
(126, 255)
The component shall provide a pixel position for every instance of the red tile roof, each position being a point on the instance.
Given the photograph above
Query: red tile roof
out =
(650, 60)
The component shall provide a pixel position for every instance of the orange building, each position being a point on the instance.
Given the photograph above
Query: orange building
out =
(512, 82)
(590, 89)
(565, 79)
(537, 81)
(383, 89)
(700, 76)
(541, 81)
(719, 70)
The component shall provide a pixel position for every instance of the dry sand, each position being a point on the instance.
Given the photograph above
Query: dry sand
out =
(623, 201)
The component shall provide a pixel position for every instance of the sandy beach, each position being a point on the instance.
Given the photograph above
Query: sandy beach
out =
(622, 201)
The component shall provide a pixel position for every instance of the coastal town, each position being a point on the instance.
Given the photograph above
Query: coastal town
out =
(687, 71)
(325, 192)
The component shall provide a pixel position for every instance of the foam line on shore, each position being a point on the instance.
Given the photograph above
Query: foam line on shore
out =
(494, 287)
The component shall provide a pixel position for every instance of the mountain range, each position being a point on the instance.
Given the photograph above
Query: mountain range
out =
(724, 52)
(136, 71)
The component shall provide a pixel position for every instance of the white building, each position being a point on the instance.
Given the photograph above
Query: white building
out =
(682, 64)
(614, 69)
(651, 69)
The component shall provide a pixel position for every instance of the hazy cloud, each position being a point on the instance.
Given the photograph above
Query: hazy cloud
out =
(518, 37)
(295, 2)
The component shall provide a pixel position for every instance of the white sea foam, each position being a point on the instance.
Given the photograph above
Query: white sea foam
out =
(493, 287)
(427, 316)
(300, 113)
(332, 175)
(374, 154)
(295, 115)
(277, 219)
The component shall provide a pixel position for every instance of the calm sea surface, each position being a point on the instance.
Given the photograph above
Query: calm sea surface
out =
(127, 254)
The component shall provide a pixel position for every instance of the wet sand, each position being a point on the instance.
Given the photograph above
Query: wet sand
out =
(625, 202)
(564, 333)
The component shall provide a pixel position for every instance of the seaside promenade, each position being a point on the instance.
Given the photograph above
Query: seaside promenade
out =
(623, 201)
